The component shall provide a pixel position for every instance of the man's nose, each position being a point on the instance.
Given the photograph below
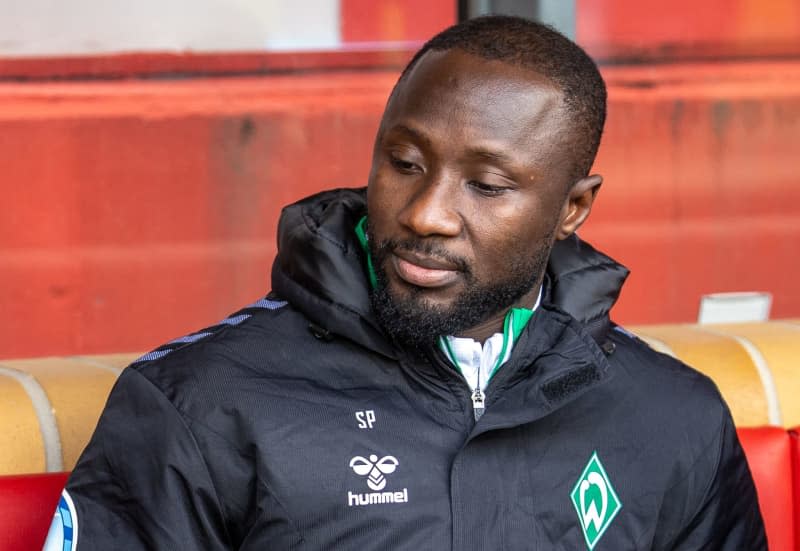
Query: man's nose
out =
(433, 209)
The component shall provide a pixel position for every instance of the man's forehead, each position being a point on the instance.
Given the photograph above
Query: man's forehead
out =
(455, 69)
(475, 94)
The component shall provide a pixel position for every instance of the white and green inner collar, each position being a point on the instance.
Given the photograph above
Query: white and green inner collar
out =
(476, 362)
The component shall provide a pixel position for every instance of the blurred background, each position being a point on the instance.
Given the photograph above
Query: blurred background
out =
(147, 148)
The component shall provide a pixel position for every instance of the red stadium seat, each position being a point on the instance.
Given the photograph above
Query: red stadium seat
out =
(794, 437)
(768, 451)
(27, 505)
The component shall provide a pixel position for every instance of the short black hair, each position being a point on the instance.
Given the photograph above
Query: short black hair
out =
(540, 48)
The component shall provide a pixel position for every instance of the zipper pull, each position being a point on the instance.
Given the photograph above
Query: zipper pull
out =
(478, 399)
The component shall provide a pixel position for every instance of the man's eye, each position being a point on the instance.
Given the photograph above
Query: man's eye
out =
(486, 189)
(403, 165)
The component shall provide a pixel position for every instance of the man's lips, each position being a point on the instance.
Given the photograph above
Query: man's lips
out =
(423, 271)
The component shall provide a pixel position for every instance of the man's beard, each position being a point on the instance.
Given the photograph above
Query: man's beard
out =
(411, 321)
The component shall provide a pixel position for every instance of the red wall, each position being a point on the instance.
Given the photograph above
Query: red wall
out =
(134, 211)
(394, 20)
(702, 191)
(688, 29)
(137, 211)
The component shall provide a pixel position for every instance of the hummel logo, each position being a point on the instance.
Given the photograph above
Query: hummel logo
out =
(374, 469)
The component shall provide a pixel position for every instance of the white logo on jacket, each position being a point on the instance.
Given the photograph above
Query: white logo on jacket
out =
(375, 469)
(590, 514)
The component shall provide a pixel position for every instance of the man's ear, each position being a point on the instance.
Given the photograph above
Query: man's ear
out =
(578, 205)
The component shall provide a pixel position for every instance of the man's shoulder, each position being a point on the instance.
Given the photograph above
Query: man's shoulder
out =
(257, 340)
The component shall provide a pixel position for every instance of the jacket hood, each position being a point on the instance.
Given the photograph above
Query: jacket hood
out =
(585, 283)
(320, 270)
(320, 266)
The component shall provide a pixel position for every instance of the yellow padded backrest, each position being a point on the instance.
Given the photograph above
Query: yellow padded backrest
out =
(49, 408)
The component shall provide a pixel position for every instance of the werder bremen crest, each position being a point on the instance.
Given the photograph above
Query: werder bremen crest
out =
(595, 501)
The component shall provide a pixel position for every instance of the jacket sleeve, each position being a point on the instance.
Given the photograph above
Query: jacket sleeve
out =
(142, 483)
(728, 517)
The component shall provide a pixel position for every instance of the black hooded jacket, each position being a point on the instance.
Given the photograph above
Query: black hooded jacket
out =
(297, 424)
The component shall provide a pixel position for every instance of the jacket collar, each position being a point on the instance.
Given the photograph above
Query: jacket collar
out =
(559, 361)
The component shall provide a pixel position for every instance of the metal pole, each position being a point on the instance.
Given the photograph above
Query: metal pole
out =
(559, 14)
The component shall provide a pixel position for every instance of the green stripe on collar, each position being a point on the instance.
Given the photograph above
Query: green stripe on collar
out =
(521, 317)
(361, 233)
(513, 325)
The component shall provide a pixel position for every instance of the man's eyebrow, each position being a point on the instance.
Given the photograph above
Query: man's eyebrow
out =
(476, 152)
(490, 155)
(411, 132)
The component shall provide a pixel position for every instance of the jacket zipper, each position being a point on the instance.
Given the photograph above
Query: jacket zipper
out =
(478, 402)
(477, 395)
(478, 398)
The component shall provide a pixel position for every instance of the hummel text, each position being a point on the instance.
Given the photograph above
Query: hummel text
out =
(375, 498)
